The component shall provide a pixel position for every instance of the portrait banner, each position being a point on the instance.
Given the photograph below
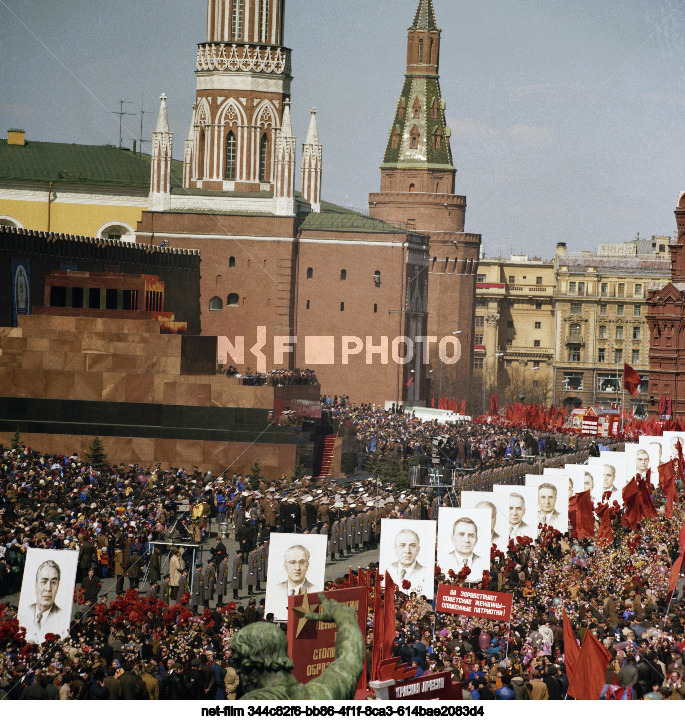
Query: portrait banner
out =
(464, 541)
(311, 644)
(552, 501)
(407, 553)
(47, 593)
(297, 565)
(561, 473)
(640, 457)
(521, 503)
(670, 438)
(473, 602)
(488, 501)
(612, 477)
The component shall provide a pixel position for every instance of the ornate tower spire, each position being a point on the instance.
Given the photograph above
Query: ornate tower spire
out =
(311, 166)
(160, 177)
(284, 194)
(425, 16)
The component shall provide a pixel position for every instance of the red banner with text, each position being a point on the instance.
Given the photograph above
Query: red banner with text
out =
(473, 602)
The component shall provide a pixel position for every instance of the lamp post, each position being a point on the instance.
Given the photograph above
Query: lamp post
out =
(454, 332)
(485, 374)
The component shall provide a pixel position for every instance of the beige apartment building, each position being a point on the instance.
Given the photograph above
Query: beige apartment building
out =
(599, 320)
(514, 328)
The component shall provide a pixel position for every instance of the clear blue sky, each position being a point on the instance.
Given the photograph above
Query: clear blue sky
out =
(567, 117)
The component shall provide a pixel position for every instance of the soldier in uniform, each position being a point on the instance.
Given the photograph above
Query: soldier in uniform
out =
(210, 583)
(261, 566)
(183, 586)
(366, 529)
(237, 574)
(349, 529)
(333, 540)
(252, 566)
(357, 531)
(197, 595)
(221, 581)
(163, 590)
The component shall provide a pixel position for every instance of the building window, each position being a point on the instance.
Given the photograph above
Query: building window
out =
(638, 289)
(343, 274)
(512, 279)
(508, 363)
(637, 311)
(510, 324)
(417, 109)
(636, 332)
(573, 382)
(377, 277)
(572, 287)
(414, 144)
(576, 308)
(342, 305)
(216, 303)
(307, 305)
(636, 357)
(263, 155)
(604, 289)
(230, 156)
(375, 307)
(480, 278)
(602, 332)
(619, 332)
(662, 248)
(601, 355)
(478, 339)
(420, 52)
(538, 305)
(581, 288)
(574, 331)
(434, 108)
(608, 382)
(602, 308)
(237, 19)
(574, 354)
(536, 343)
(478, 364)
(619, 309)
(536, 365)
(618, 355)
(264, 21)
(621, 290)
(231, 262)
(233, 299)
(538, 325)
(538, 280)
(480, 321)
(310, 272)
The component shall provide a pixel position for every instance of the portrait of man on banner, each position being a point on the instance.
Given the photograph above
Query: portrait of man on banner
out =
(297, 565)
(552, 501)
(407, 553)
(464, 541)
(47, 588)
(521, 507)
(488, 501)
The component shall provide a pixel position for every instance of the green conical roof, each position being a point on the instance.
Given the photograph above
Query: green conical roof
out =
(425, 16)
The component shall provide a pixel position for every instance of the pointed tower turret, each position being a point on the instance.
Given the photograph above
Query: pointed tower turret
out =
(417, 192)
(160, 177)
(311, 166)
(284, 196)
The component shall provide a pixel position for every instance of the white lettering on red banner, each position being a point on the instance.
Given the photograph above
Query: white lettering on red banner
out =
(473, 602)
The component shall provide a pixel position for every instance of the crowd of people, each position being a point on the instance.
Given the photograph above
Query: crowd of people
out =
(138, 632)
(278, 377)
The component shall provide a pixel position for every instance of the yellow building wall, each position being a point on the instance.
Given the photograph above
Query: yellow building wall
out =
(70, 217)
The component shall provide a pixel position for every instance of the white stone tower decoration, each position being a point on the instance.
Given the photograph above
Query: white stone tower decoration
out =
(311, 166)
(160, 176)
(284, 196)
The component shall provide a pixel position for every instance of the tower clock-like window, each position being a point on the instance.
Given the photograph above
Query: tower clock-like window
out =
(230, 156)
(237, 19)
(263, 154)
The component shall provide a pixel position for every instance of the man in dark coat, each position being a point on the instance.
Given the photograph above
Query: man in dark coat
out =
(91, 585)
(155, 570)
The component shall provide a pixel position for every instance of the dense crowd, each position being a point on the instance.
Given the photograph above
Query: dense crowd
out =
(278, 377)
(156, 640)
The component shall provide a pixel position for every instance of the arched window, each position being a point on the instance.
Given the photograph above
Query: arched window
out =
(230, 156)
(412, 188)
(201, 153)
(420, 52)
(310, 272)
(417, 108)
(263, 21)
(574, 331)
(237, 19)
(10, 222)
(263, 155)
(233, 299)
(343, 274)
(215, 303)
(231, 262)
(434, 108)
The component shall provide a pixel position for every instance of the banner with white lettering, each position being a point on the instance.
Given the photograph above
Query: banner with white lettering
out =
(473, 602)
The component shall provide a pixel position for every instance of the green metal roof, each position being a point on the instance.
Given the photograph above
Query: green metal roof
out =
(425, 16)
(99, 165)
(337, 218)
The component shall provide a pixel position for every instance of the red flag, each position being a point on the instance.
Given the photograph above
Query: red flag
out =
(590, 671)
(631, 503)
(571, 648)
(517, 414)
(675, 572)
(669, 405)
(681, 538)
(667, 483)
(681, 460)
(604, 535)
(388, 616)
(462, 410)
(432, 401)
(494, 404)
(410, 381)
(377, 652)
(351, 578)
(583, 521)
(645, 487)
(662, 404)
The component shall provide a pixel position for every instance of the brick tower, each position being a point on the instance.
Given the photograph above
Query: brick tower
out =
(243, 84)
(417, 191)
